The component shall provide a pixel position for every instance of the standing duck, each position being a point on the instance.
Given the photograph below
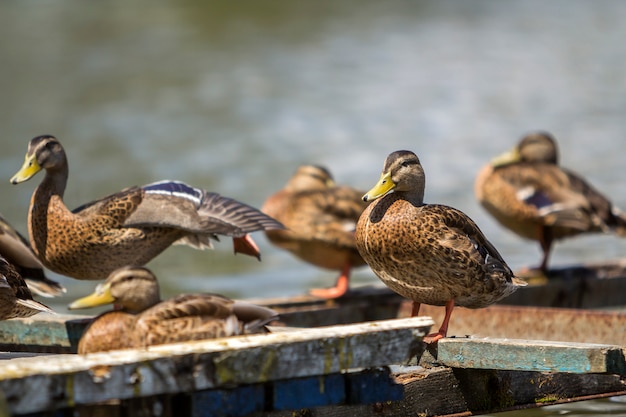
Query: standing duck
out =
(529, 193)
(16, 299)
(16, 250)
(129, 227)
(141, 319)
(429, 253)
(320, 218)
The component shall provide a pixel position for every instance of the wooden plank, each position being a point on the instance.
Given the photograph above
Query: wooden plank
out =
(531, 355)
(60, 334)
(299, 393)
(442, 391)
(32, 384)
(593, 285)
(42, 333)
(234, 402)
(516, 322)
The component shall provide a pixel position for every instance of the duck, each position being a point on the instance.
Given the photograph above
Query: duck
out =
(319, 218)
(429, 253)
(129, 227)
(141, 319)
(15, 249)
(16, 300)
(529, 193)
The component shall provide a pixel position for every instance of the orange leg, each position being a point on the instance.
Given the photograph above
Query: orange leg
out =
(247, 246)
(340, 288)
(416, 309)
(546, 243)
(443, 330)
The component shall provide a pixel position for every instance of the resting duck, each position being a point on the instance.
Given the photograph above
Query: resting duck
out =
(527, 192)
(129, 227)
(16, 299)
(16, 250)
(140, 319)
(320, 218)
(429, 253)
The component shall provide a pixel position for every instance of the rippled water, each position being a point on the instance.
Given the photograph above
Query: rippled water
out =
(233, 97)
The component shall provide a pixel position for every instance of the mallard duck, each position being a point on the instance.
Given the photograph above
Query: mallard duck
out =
(141, 319)
(320, 218)
(429, 253)
(16, 250)
(129, 227)
(527, 192)
(16, 299)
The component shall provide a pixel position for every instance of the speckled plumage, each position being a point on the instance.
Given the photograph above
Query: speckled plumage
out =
(16, 250)
(320, 218)
(141, 319)
(16, 299)
(429, 253)
(528, 193)
(126, 228)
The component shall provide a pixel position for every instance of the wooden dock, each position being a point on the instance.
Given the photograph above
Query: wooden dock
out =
(360, 355)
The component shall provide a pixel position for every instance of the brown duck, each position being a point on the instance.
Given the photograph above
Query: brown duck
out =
(16, 250)
(429, 253)
(16, 299)
(127, 228)
(529, 193)
(320, 218)
(141, 319)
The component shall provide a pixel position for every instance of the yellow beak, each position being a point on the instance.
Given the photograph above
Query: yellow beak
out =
(382, 187)
(101, 296)
(30, 168)
(506, 158)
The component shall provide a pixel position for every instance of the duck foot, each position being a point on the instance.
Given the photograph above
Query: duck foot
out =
(246, 246)
(339, 290)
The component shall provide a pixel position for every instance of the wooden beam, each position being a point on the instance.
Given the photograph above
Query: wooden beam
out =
(531, 355)
(443, 391)
(32, 384)
(43, 333)
(537, 323)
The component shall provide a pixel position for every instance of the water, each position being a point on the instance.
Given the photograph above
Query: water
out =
(233, 97)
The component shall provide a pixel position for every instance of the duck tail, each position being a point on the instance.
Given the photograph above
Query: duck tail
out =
(617, 222)
(254, 317)
(45, 288)
(35, 306)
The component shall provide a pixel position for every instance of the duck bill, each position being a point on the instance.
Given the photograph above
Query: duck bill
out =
(30, 168)
(382, 187)
(506, 158)
(101, 296)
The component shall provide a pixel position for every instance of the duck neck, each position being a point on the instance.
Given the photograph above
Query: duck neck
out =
(52, 184)
(415, 197)
(139, 304)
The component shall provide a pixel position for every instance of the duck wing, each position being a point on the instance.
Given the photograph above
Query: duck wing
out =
(176, 204)
(16, 250)
(188, 317)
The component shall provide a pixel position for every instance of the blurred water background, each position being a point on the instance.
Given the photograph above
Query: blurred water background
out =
(233, 96)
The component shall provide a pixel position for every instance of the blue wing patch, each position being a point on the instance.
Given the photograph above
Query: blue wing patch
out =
(534, 197)
(176, 189)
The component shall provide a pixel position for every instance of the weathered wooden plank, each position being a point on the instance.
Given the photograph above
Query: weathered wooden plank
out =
(299, 393)
(515, 322)
(594, 285)
(35, 384)
(235, 402)
(531, 355)
(42, 333)
(444, 391)
(60, 334)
